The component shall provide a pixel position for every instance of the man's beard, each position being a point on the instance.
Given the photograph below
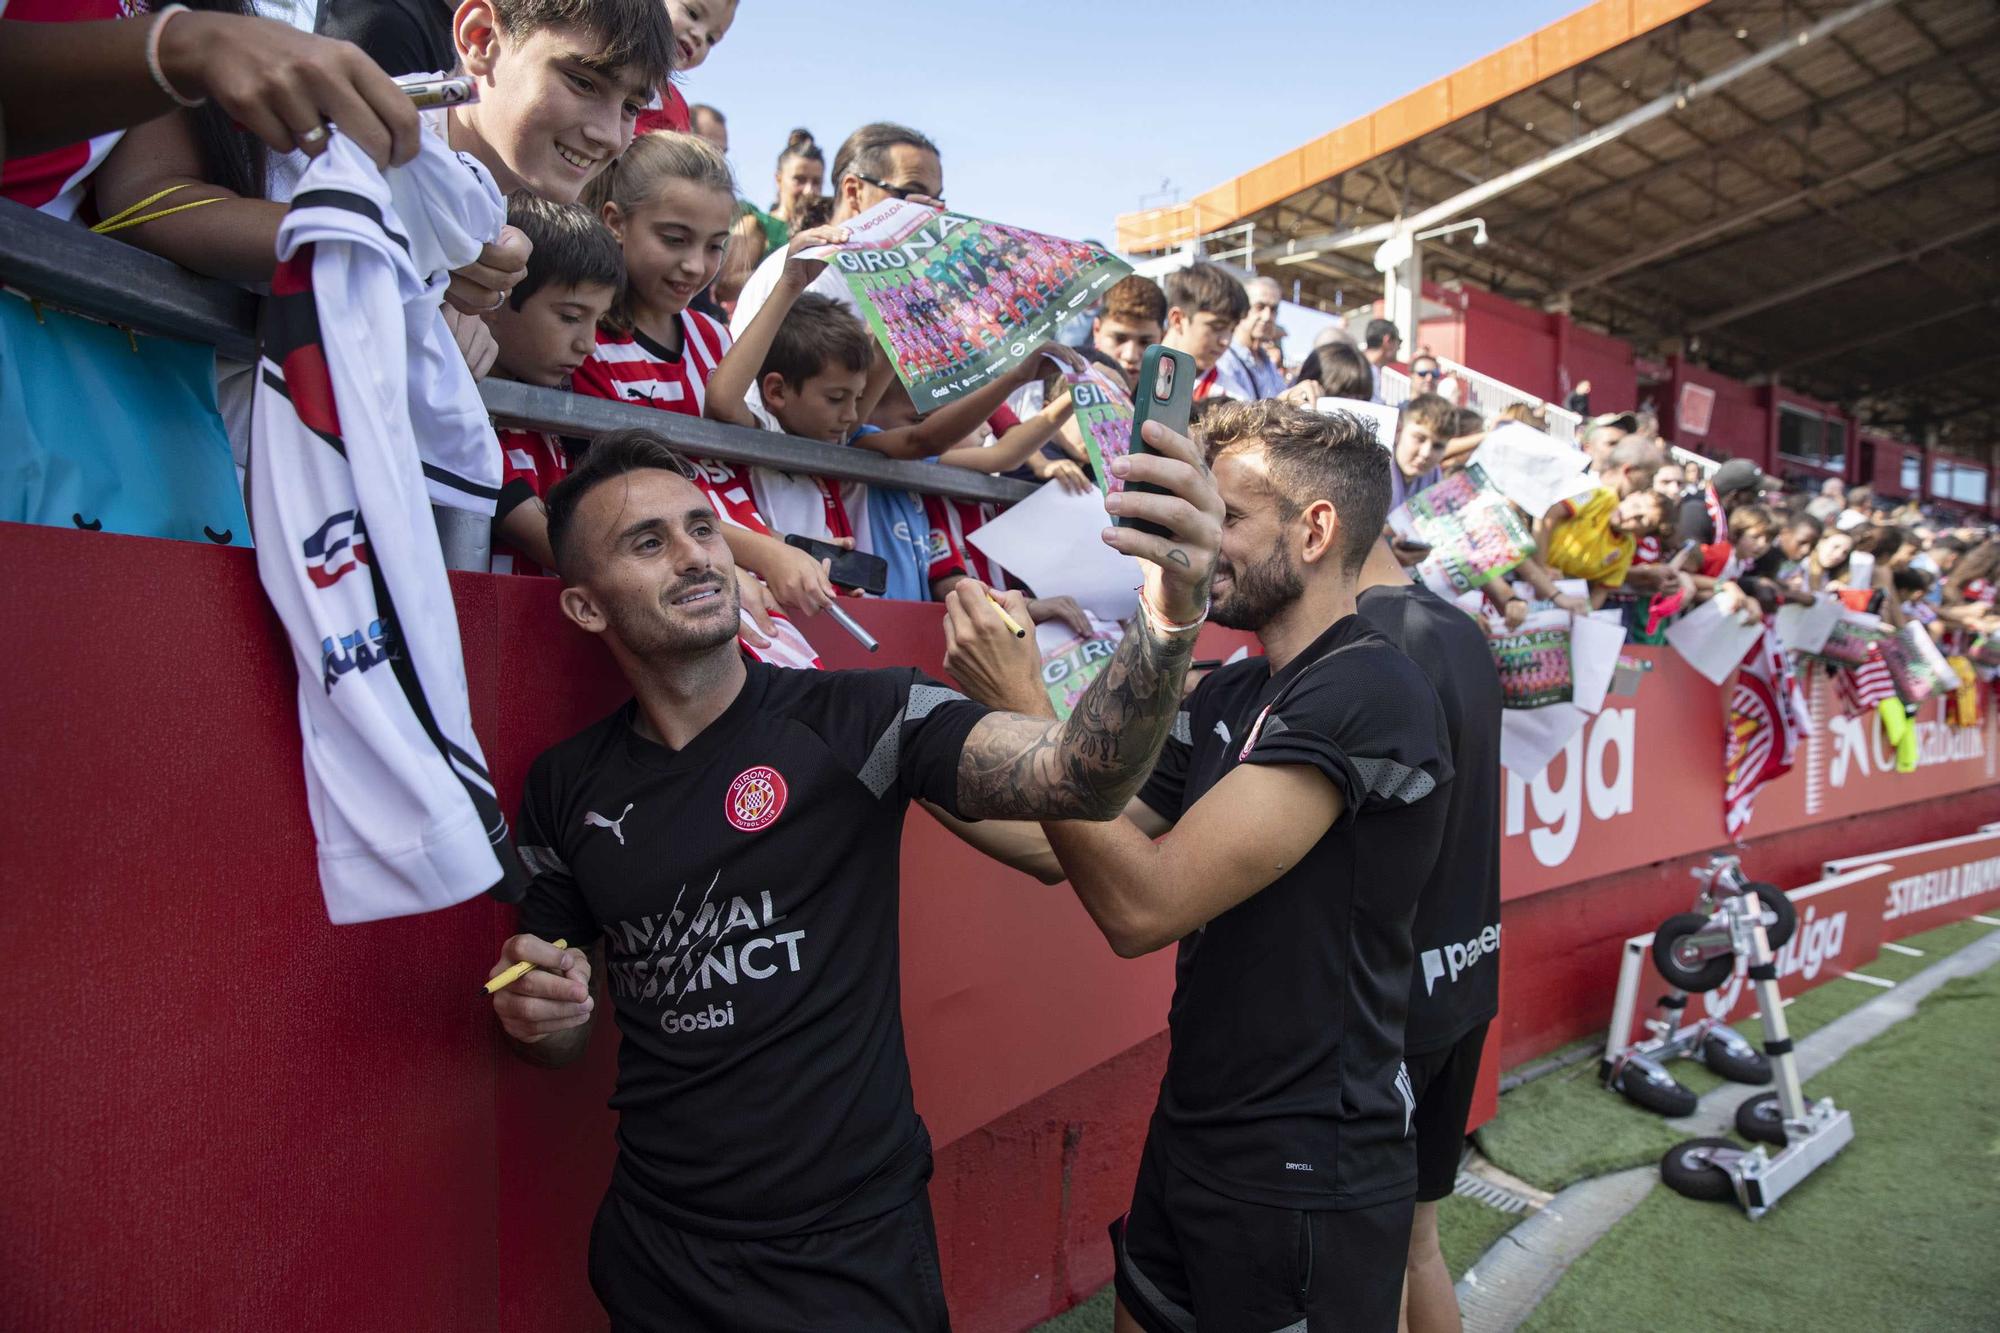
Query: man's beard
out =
(1257, 593)
(652, 635)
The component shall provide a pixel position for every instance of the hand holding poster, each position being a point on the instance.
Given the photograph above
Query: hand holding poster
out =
(1071, 661)
(1534, 662)
(1103, 417)
(956, 301)
(1475, 535)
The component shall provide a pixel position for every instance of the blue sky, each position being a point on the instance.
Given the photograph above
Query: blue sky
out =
(1061, 116)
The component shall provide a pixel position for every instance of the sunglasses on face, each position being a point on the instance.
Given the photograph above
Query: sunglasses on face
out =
(1427, 374)
(895, 191)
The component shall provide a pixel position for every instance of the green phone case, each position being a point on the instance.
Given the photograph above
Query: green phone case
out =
(1171, 410)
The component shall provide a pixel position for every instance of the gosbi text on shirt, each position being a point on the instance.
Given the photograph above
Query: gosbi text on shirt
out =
(745, 888)
(1285, 1083)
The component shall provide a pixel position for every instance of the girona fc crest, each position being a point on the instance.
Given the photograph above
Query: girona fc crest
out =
(755, 799)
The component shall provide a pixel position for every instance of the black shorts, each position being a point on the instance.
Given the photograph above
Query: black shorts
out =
(1185, 1253)
(877, 1274)
(1443, 1083)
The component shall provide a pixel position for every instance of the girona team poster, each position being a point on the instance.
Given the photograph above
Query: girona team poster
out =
(957, 300)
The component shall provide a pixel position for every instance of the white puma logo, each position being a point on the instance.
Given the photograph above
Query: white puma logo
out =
(1222, 730)
(593, 819)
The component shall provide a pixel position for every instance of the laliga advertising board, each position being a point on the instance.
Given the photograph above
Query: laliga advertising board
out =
(1599, 806)
(1935, 883)
(1840, 931)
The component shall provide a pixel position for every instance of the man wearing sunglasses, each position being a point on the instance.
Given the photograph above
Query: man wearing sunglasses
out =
(1425, 374)
(877, 162)
(1244, 372)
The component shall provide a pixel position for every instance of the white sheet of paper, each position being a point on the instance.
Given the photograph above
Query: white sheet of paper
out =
(1532, 469)
(1052, 541)
(1712, 641)
(1380, 415)
(1803, 629)
(1593, 657)
(1531, 737)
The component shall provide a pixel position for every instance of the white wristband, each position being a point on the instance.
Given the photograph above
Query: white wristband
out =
(160, 21)
(1166, 626)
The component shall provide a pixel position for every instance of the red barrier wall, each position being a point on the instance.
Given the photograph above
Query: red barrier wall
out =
(228, 1114)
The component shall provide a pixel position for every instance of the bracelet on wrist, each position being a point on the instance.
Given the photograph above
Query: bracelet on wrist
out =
(1163, 625)
(165, 16)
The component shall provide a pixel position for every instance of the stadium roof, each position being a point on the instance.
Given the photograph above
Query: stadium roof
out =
(1799, 188)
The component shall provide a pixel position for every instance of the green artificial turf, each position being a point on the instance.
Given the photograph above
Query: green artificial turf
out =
(1897, 1232)
(1565, 1127)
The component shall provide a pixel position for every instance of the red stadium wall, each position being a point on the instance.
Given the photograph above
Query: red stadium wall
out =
(229, 1114)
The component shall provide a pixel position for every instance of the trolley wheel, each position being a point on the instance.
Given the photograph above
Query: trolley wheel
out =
(1737, 1061)
(1692, 974)
(1774, 899)
(1696, 1178)
(1761, 1119)
(1660, 1093)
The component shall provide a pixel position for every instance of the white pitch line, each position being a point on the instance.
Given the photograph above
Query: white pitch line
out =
(1788, 1001)
(1985, 920)
(1873, 981)
(1903, 949)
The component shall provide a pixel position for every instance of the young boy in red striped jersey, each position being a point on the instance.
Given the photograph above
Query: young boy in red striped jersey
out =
(545, 330)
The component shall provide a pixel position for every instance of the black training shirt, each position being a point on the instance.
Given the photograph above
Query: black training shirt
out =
(745, 889)
(1455, 985)
(1285, 1085)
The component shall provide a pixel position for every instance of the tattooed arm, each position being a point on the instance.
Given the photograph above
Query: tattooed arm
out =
(1090, 765)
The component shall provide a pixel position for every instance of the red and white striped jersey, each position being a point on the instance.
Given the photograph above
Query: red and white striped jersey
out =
(531, 462)
(632, 368)
(951, 553)
(1861, 688)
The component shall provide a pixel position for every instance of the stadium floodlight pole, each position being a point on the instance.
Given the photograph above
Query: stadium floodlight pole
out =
(1663, 105)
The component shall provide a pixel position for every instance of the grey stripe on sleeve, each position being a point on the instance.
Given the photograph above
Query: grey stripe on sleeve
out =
(1395, 782)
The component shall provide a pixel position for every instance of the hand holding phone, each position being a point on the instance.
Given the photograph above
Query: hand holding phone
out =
(1165, 394)
(849, 569)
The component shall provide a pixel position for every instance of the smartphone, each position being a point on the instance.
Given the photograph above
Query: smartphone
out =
(428, 94)
(1680, 560)
(1165, 394)
(851, 569)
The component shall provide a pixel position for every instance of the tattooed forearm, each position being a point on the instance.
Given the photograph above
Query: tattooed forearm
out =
(1090, 765)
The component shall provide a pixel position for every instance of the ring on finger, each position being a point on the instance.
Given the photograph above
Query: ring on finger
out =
(313, 137)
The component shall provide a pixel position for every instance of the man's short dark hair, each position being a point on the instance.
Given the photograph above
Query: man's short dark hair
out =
(1312, 456)
(700, 109)
(607, 458)
(1205, 289)
(1378, 332)
(866, 151)
(573, 248)
(818, 331)
(633, 36)
(1807, 522)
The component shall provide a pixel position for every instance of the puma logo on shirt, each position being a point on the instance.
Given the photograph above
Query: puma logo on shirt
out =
(595, 820)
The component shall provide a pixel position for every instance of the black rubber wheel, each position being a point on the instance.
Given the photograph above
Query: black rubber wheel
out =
(1738, 1066)
(1774, 898)
(1667, 1098)
(1695, 975)
(1694, 1179)
(1761, 1119)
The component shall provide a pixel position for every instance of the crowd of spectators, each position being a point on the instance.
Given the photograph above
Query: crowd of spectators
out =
(635, 268)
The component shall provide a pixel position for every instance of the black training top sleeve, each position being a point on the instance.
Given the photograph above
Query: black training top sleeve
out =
(553, 908)
(932, 727)
(1165, 791)
(1367, 718)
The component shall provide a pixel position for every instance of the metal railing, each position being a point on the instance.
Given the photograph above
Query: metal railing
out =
(65, 266)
